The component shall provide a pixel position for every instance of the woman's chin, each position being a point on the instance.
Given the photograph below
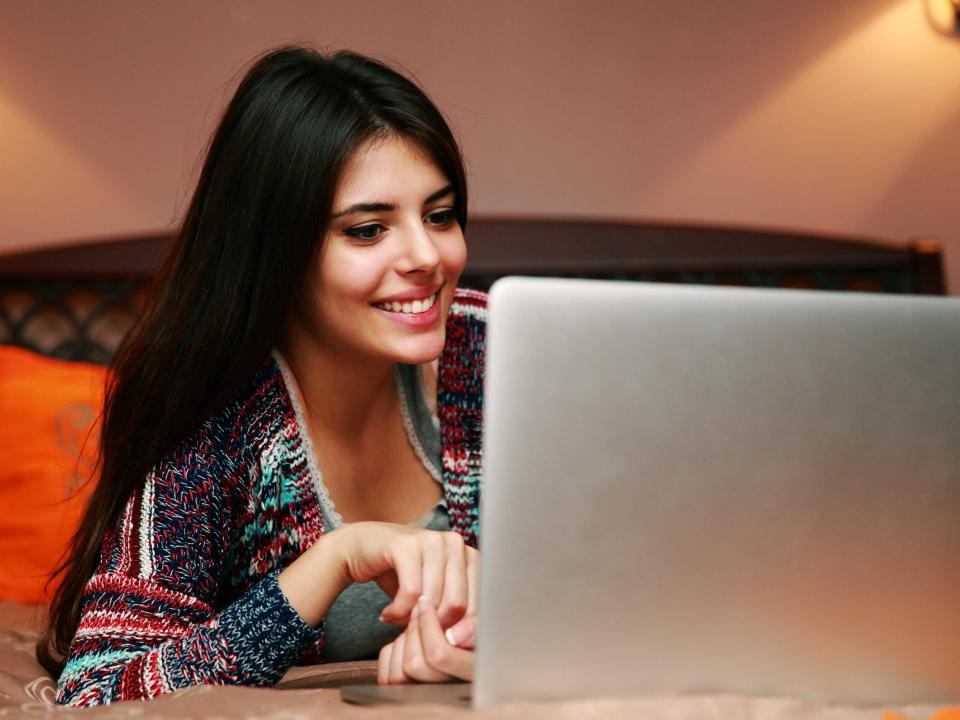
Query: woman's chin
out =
(420, 353)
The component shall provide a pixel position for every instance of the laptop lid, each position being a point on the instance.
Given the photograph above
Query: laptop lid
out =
(693, 489)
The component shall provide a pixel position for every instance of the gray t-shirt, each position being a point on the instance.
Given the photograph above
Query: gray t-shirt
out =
(352, 629)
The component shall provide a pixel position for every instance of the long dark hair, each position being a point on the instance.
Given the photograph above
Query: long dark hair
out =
(261, 207)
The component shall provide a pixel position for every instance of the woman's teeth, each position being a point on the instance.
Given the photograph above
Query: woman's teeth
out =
(416, 307)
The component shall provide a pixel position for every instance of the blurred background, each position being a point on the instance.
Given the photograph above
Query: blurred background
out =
(824, 115)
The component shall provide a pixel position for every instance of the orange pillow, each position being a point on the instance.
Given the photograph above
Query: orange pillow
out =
(49, 412)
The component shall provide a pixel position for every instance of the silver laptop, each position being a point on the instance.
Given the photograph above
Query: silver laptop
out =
(693, 489)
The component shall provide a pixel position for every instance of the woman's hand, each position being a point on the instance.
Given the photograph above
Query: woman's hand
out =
(405, 562)
(425, 653)
(408, 563)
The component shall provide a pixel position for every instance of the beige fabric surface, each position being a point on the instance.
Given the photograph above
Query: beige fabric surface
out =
(310, 692)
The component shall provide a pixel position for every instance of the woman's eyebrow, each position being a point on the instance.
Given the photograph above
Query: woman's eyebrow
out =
(388, 207)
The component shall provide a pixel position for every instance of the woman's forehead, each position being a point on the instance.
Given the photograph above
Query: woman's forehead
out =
(388, 169)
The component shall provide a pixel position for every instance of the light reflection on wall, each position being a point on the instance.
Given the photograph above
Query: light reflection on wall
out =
(837, 137)
(42, 175)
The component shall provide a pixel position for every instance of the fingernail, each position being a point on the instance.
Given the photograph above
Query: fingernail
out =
(448, 633)
(423, 602)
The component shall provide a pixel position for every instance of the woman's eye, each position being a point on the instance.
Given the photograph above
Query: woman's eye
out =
(441, 218)
(367, 233)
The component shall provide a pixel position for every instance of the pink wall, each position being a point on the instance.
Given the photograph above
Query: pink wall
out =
(835, 116)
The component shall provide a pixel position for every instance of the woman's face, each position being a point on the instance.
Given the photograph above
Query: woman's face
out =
(383, 282)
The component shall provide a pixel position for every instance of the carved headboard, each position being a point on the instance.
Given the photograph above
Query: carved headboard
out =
(75, 302)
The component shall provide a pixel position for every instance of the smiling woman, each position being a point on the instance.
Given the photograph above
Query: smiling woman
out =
(290, 453)
(382, 260)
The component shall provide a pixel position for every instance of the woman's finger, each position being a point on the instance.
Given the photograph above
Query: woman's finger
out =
(415, 665)
(407, 562)
(463, 634)
(434, 559)
(441, 655)
(383, 664)
(388, 583)
(395, 674)
(473, 589)
(453, 605)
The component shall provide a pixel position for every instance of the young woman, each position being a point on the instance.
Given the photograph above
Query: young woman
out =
(290, 453)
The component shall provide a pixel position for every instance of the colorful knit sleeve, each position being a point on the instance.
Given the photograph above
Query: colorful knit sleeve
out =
(150, 622)
(460, 409)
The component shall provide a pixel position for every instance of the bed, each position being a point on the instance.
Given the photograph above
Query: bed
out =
(63, 310)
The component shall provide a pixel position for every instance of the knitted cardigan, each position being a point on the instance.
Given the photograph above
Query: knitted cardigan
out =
(185, 592)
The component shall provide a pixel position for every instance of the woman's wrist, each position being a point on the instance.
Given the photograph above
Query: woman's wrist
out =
(313, 581)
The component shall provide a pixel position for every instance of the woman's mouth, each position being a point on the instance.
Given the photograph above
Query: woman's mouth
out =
(415, 307)
(413, 313)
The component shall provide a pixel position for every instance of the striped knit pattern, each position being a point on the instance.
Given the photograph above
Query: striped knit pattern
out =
(186, 591)
(460, 409)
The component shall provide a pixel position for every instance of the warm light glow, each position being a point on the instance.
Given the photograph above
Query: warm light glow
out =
(47, 184)
(944, 15)
(836, 134)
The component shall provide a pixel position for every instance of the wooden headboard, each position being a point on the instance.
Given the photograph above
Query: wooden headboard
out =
(76, 301)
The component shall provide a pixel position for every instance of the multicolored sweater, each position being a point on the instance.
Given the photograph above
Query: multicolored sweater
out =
(186, 588)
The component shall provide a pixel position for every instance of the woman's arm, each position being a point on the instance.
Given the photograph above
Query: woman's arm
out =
(147, 626)
(148, 623)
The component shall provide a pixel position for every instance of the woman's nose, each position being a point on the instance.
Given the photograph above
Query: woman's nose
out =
(420, 253)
